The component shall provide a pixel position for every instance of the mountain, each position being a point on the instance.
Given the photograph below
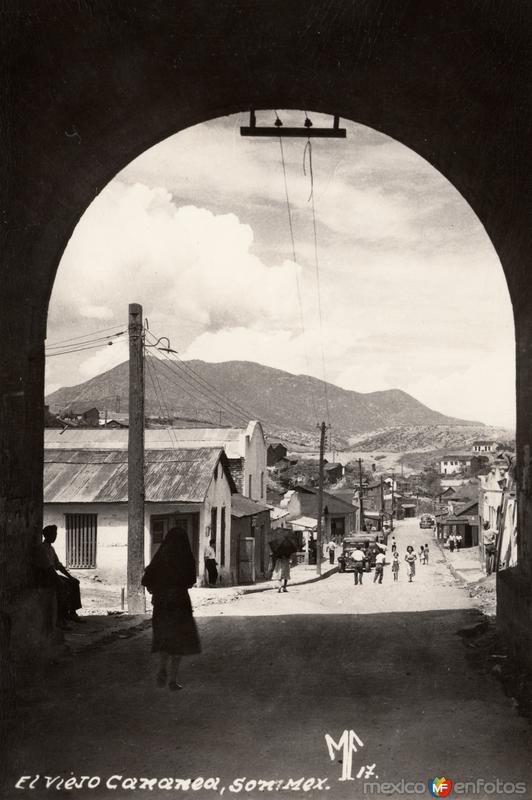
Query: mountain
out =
(232, 391)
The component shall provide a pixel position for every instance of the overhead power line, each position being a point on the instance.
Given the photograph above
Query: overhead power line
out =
(201, 387)
(308, 148)
(298, 286)
(87, 335)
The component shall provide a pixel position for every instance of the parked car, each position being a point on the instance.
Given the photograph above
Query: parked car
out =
(426, 521)
(345, 560)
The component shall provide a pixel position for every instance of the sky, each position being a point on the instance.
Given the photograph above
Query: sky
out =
(196, 229)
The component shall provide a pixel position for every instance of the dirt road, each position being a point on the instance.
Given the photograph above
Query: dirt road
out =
(279, 672)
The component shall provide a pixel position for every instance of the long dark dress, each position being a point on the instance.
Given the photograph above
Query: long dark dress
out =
(168, 577)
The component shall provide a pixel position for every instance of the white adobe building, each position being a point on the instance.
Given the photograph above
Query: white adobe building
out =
(245, 448)
(85, 495)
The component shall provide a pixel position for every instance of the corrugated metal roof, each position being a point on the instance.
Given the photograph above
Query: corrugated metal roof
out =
(231, 439)
(244, 507)
(100, 476)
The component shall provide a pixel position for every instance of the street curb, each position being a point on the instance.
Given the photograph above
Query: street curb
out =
(454, 572)
(255, 589)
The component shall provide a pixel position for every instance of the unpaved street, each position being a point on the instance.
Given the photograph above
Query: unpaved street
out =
(277, 673)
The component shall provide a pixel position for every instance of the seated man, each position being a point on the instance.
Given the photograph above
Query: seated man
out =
(56, 575)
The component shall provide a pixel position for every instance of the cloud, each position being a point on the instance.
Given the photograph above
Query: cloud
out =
(134, 243)
(96, 312)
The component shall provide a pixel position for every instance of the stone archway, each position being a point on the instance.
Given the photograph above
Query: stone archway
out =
(91, 87)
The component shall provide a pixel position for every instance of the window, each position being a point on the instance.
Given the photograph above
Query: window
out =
(214, 525)
(222, 537)
(262, 485)
(250, 483)
(81, 540)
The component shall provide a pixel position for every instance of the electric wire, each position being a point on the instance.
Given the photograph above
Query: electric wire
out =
(209, 386)
(298, 286)
(203, 387)
(102, 339)
(76, 350)
(86, 335)
(193, 392)
(163, 408)
(179, 380)
(308, 148)
(224, 404)
(179, 377)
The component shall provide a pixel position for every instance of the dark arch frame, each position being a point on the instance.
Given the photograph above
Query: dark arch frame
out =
(93, 85)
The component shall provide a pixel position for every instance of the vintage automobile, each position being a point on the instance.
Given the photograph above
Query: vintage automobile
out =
(426, 521)
(345, 560)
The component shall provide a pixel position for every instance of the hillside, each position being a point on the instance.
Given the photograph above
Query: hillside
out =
(443, 437)
(284, 402)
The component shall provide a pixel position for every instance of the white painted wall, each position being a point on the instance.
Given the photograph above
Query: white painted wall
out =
(219, 496)
(254, 449)
(111, 547)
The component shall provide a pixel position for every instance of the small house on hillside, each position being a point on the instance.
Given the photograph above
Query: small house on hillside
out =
(484, 446)
(85, 495)
(276, 451)
(84, 413)
(333, 472)
(244, 447)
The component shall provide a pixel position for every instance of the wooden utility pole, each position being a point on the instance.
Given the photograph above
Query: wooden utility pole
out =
(393, 500)
(323, 428)
(360, 500)
(135, 464)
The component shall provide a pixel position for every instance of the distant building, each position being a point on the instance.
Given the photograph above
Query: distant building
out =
(85, 495)
(462, 522)
(276, 452)
(339, 517)
(454, 463)
(484, 446)
(463, 463)
(83, 413)
(333, 472)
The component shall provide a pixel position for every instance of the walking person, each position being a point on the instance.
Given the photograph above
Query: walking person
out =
(358, 558)
(331, 549)
(395, 566)
(421, 555)
(281, 572)
(426, 554)
(211, 563)
(168, 577)
(458, 541)
(410, 559)
(452, 542)
(380, 560)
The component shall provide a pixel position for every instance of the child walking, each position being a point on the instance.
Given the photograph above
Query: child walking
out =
(410, 559)
(395, 565)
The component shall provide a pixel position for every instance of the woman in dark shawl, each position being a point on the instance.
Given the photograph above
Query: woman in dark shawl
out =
(168, 577)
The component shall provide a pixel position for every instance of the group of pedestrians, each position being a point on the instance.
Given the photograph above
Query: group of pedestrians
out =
(454, 541)
(360, 557)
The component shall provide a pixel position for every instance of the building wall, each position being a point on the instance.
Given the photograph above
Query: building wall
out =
(255, 463)
(218, 496)
(111, 537)
(111, 547)
(453, 465)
